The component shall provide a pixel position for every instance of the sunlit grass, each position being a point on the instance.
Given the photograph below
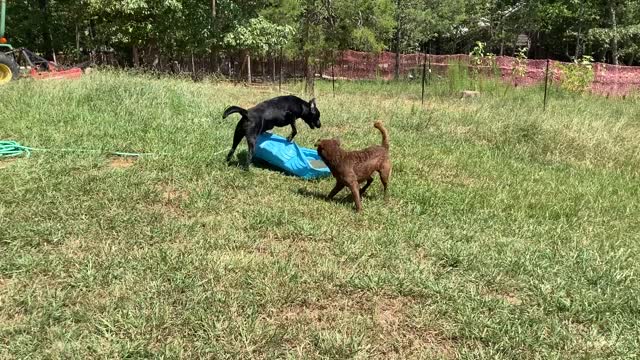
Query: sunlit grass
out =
(510, 232)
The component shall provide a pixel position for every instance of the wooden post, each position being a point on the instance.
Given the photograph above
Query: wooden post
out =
(77, 40)
(273, 67)
(294, 69)
(429, 55)
(280, 78)
(424, 73)
(333, 76)
(249, 68)
(546, 82)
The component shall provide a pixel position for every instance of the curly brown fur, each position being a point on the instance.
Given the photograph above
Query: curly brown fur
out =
(350, 168)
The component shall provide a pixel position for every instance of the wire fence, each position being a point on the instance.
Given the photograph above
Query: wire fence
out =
(605, 79)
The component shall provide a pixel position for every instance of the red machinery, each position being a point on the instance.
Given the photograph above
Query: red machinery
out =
(37, 67)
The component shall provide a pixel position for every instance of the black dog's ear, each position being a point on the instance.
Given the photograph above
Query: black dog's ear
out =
(312, 102)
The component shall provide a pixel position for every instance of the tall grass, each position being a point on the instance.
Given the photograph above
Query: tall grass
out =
(458, 77)
(510, 232)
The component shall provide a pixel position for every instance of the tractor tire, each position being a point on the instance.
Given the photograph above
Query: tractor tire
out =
(9, 69)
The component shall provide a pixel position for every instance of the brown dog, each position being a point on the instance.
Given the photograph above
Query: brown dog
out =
(350, 168)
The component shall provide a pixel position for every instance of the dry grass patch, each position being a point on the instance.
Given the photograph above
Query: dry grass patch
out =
(387, 320)
(5, 163)
(121, 162)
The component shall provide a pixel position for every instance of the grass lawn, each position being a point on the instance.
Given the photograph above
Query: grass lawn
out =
(510, 233)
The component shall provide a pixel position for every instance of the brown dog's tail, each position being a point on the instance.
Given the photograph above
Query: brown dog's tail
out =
(385, 134)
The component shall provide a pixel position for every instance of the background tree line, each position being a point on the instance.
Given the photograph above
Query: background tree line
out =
(608, 30)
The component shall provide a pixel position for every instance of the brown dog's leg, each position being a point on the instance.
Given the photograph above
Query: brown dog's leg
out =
(364, 188)
(355, 190)
(335, 191)
(385, 174)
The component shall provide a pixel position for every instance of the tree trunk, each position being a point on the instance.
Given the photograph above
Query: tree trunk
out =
(262, 75)
(213, 8)
(77, 40)
(398, 26)
(273, 68)
(579, 37)
(249, 68)
(135, 56)
(309, 73)
(46, 31)
(614, 40)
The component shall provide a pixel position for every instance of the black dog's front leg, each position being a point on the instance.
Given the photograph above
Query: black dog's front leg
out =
(294, 131)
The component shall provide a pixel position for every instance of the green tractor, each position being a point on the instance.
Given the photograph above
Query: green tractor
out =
(9, 69)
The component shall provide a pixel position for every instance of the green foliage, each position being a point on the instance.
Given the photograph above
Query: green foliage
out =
(480, 56)
(365, 40)
(628, 38)
(577, 76)
(316, 28)
(362, 25)
(520, 64)
(260, 36)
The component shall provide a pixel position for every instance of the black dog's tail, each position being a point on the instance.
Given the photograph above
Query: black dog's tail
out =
(385, 134)
(234, 109)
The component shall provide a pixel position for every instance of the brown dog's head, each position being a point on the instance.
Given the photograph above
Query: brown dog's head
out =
(327, 147)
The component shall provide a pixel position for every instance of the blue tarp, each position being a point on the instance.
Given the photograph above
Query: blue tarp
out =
(288, 156)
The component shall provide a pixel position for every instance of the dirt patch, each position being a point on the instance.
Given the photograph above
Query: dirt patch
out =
(171, 195)
(12, 320)
(8, 318)
(510, 299)
(506, 297)
(121, 162)
(297, 247)
(393, 331)
(384, 310)
(74, 248)
(171, 200)
(5, 163)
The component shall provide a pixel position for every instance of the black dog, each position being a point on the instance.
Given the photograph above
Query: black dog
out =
(279, 111)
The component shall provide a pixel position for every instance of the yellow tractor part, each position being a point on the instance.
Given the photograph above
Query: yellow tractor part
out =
(5, 74)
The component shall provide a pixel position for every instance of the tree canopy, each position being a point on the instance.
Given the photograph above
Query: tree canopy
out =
(608, 30)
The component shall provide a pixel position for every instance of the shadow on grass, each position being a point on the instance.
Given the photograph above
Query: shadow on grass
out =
(241, 161)
(321, 196)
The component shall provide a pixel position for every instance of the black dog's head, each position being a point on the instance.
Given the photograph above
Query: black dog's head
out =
(312, 118)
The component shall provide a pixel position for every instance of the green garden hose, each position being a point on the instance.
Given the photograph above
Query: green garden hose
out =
(14, 149)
